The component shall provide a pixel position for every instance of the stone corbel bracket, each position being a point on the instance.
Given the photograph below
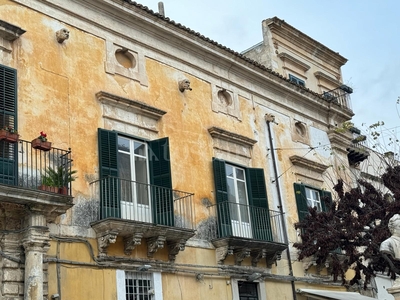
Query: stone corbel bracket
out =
(155, 243)
(130, 242)
(257, 255)
(174, 247)
(273, 258)
(240, 255)
(222, 252)
(105, 240)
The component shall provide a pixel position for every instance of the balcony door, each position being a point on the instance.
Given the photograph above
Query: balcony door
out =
(239, 206)
(134, 176)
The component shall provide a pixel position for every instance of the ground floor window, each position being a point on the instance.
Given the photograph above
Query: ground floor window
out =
(248, 290)
(138, 285)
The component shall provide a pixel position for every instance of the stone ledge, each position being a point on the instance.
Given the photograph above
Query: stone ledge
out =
(10, 32)
(133, 232)
(137, 106)
(49, 204)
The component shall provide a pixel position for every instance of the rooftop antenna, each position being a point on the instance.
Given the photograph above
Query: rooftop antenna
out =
(161, 8)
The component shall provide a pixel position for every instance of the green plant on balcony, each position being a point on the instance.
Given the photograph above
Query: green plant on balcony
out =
(56, 179)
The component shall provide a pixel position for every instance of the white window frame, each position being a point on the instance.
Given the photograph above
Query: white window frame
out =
(135, 210)
(156, 281)
(262, 292)
(311, 201)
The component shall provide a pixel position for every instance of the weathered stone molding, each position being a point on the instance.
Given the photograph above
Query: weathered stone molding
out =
(10, 32)
(132, 241)
(231, 142)
(133, 232)
(155, 243)
(221, 254)
(257, 255)
(225, 100)
(307, 164)
(138, 107)
(243, 248)
(174, 248)
(332, 82)
(136, 71)
(240, 255)
(272, 259)
(293, 64)
(105, 240)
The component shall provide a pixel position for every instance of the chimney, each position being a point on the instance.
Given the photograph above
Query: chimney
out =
(161, 9)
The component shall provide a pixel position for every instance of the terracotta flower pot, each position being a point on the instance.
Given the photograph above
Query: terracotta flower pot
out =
(8, 136)
(47, 188)
(40, 145)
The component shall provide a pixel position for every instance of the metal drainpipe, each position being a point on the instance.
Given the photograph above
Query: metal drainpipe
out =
(271, 118)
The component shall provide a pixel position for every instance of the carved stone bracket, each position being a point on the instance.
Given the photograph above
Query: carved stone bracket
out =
(104, 241)
(155, 243)
(222, 253)
(174, 248)
(240, 255)
(257, 255)
(272, 259)
(130, 242)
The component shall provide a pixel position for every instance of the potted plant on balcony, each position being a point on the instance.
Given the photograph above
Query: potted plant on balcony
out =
(56, 180)
(41, 142)
(9, 134)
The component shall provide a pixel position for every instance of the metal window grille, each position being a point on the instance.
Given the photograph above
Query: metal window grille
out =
(138, 286)
(248, 290)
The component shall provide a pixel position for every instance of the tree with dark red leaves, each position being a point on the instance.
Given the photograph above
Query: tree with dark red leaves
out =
(348, 235)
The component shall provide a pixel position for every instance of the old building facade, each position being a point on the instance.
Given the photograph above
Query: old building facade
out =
(177, 168)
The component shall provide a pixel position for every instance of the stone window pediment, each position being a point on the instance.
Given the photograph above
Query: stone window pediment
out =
(127, 115)
(231, 143)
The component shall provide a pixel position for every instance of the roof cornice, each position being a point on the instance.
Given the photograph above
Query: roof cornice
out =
(281, 28)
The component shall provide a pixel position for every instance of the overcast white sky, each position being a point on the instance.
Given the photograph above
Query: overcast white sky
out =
(366, 32)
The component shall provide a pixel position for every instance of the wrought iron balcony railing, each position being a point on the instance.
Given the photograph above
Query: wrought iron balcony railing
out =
(141, 202)
(245, 221)
(23, 166)
(340, 96)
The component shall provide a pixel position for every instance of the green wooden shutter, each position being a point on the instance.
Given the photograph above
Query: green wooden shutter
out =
(160, 178)
(8, 117)
(326, 200)
(301, 200)
(258, 202)
(108, 166)
(221, 195)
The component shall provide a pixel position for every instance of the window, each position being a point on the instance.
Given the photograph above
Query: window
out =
(308, 197)
(135, 179)
(242, 204)
(248, 290)
(138, 286)
(8, 117)
(297, 80)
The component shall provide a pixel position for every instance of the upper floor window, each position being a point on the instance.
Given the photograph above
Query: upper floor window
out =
(135, 179)
(313, 198)
(297, 80)
(242, 204)
(309, 197)
(8, 118)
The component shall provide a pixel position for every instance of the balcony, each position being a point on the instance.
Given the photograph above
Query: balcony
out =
(244, 231)
(22, 171)
(357, 151)
(339, 96)
(136, 211)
